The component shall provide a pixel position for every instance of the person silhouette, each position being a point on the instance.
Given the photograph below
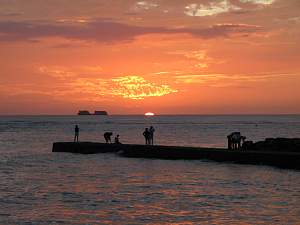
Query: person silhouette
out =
(229, 142)
(235, 140)
(117, 139)
(76, 137)
(107, 137)
(146, 134)
(151, 130)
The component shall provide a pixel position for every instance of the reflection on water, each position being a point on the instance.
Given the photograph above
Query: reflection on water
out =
(40, 187)
(105, 189)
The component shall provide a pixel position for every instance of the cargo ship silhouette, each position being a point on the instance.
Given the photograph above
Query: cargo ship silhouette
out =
(97, 113)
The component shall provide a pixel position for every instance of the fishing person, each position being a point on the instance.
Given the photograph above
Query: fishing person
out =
(107, 137)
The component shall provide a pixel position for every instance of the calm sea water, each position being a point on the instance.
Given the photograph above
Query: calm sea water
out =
(41, 187)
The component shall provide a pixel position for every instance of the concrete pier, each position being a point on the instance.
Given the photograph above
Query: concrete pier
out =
(85, 147)
(272, 158)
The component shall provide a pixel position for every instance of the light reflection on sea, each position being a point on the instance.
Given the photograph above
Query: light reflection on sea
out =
(40, 187)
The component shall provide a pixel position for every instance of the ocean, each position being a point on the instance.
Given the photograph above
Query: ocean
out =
(41, 187)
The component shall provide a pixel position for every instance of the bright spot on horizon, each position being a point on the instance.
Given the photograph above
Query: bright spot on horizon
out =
(149, 114)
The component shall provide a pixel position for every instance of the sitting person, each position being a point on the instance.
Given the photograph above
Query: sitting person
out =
(117, 139)
(107, 137)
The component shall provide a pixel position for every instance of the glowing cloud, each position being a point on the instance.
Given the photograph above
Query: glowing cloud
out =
(135, 87)
(213, 8)
(56, 71)
(262, 2)
(132, 87)
(200, 56)
(144, 5)
(223, 80)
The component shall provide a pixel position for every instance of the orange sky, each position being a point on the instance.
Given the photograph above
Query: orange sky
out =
(165, 56)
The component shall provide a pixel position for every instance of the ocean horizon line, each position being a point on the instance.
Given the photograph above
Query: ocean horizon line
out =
(163, 114)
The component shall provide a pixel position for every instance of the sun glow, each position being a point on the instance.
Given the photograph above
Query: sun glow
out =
(149, 114)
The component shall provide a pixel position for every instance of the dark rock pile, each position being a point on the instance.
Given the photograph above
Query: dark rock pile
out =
(274, 144)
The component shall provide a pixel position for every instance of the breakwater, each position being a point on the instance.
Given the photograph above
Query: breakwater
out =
(272, 158)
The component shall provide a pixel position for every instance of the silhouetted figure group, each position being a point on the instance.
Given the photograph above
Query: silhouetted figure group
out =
(149, 135)
(235, 140)
(107, 137)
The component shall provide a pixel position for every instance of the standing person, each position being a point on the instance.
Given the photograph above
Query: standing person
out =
(146, 134)
(229, 142)
(76, 137)
(151, 130)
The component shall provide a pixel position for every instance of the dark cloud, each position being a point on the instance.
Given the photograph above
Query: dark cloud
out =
(11, 14)
(109, 31)
(225, 30)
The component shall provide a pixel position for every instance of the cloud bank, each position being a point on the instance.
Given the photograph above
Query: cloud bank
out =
(110, 31)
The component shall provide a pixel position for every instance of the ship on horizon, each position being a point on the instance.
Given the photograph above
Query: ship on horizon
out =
(97, 113)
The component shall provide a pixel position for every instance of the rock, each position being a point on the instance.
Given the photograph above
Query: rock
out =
(247, 145)
(276, 144)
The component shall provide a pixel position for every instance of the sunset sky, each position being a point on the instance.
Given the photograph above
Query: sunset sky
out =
(165, 56)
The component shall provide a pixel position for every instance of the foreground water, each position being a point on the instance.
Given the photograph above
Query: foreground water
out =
(40, 187)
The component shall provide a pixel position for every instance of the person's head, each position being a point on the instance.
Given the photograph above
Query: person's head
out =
(151, 127)
(118, 135)
(76, 126)
(146, 129)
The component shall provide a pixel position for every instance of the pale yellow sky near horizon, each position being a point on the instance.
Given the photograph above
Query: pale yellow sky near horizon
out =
(167, 56)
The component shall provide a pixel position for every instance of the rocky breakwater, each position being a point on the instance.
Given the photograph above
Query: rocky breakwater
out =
(274, 145)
